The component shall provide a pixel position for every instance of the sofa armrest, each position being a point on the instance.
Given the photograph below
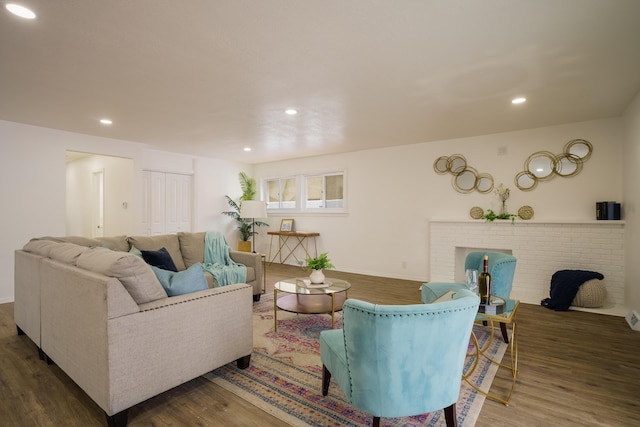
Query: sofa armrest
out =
(254, 260)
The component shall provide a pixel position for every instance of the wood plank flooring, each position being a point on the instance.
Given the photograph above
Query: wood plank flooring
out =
(576, 369)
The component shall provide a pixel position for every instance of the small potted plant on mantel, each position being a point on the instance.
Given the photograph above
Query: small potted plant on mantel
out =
(316, 265)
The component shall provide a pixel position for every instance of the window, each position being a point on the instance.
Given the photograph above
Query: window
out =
(324, 191)
(281, 193)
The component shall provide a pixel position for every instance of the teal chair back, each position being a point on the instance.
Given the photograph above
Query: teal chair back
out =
(400, 360)
(502, 267)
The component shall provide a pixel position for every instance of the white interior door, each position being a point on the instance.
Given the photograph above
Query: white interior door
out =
(97, 203)
(178, 203)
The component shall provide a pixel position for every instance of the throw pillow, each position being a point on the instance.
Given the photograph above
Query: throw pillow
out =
(152, 243)
(135, 251)
(160, 259)
(183, 282)
(134, 274)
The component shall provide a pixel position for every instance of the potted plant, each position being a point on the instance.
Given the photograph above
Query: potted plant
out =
(316, 265)
(245, 225)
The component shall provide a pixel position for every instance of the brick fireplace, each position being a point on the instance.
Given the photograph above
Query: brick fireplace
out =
(542, 248)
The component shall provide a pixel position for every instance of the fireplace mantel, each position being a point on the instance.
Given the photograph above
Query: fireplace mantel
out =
(541, 247)
(527, 222)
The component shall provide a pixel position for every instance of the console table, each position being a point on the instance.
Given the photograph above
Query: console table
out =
(298, 239)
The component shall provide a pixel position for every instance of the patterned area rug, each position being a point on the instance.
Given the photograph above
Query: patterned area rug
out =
(284, 378)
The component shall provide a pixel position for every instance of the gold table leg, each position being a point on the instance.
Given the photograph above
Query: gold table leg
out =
(275, 310)
(513, 367)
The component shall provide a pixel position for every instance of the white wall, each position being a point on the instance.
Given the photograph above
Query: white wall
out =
(631, 208)
(32, 170)
(393, 192)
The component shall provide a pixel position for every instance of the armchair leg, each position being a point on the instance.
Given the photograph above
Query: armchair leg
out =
(326, 379)
(450, 416)
(505, 335)
(376, 422)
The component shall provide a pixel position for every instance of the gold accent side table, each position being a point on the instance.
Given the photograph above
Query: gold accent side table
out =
(299, 239)
(493, 321)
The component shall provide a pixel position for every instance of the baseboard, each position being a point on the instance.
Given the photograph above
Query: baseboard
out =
(633, 319)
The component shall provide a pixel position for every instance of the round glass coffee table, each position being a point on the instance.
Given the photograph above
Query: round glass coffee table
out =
(304, 298)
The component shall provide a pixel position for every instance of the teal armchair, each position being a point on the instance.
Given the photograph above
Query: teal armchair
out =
(502, 268)
(400, 360)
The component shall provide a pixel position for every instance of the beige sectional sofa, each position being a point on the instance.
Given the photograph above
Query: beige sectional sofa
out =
(102, 316)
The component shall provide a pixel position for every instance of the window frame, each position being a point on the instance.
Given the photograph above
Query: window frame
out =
(324, 175)
(280, 208)
(301, 193)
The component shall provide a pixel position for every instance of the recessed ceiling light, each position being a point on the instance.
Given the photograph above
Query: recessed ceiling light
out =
(291, 112)
(20, 11)
(106, 121)
(518, 100)
(247, 148)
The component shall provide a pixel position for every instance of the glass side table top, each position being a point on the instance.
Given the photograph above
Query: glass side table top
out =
(511, 305)
(298, 286)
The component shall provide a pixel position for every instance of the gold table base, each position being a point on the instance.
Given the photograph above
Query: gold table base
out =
(481, 352)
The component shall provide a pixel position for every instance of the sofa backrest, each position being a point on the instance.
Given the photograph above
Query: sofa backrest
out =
(154, 243)
(134, 274)
(192, 247)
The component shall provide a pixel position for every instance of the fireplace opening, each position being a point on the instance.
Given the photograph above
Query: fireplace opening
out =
(461, 255)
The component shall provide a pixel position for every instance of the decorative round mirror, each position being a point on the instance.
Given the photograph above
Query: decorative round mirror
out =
(441, 165)
(541, 165)
(465, 181)
(526, 181)
(568, 165)
(580, 148)
(484, 183)
(457, 164)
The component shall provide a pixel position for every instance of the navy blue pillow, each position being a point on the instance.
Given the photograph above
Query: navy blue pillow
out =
(160, 259)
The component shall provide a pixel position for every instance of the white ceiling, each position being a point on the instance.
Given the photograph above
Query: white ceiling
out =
(210, 77)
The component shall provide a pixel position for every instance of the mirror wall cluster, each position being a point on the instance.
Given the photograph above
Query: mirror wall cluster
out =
(544, 165)
(465, 178)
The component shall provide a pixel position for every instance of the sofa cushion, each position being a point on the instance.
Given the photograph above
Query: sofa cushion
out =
(192, 247)
(134, 274)
(40, 247)
(82, 241)
(183, 282)
(153, 243)
(116, 243)
(160, 259)
(67, 252)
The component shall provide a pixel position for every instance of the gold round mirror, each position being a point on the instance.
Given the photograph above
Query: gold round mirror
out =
(541, 165)
(568, 165)
(441, 165)
(465, 181)
(484, 183)
(580, 148)
(457, 164)
(526, 181)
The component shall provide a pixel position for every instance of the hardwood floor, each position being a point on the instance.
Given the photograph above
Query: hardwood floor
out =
(575, 369)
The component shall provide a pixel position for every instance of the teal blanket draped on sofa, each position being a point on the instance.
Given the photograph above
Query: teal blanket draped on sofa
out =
(218, 263)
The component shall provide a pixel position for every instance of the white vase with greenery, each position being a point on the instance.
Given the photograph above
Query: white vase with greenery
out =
(317, 265)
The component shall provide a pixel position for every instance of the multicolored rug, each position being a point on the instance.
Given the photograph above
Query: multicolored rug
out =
(284, 378)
